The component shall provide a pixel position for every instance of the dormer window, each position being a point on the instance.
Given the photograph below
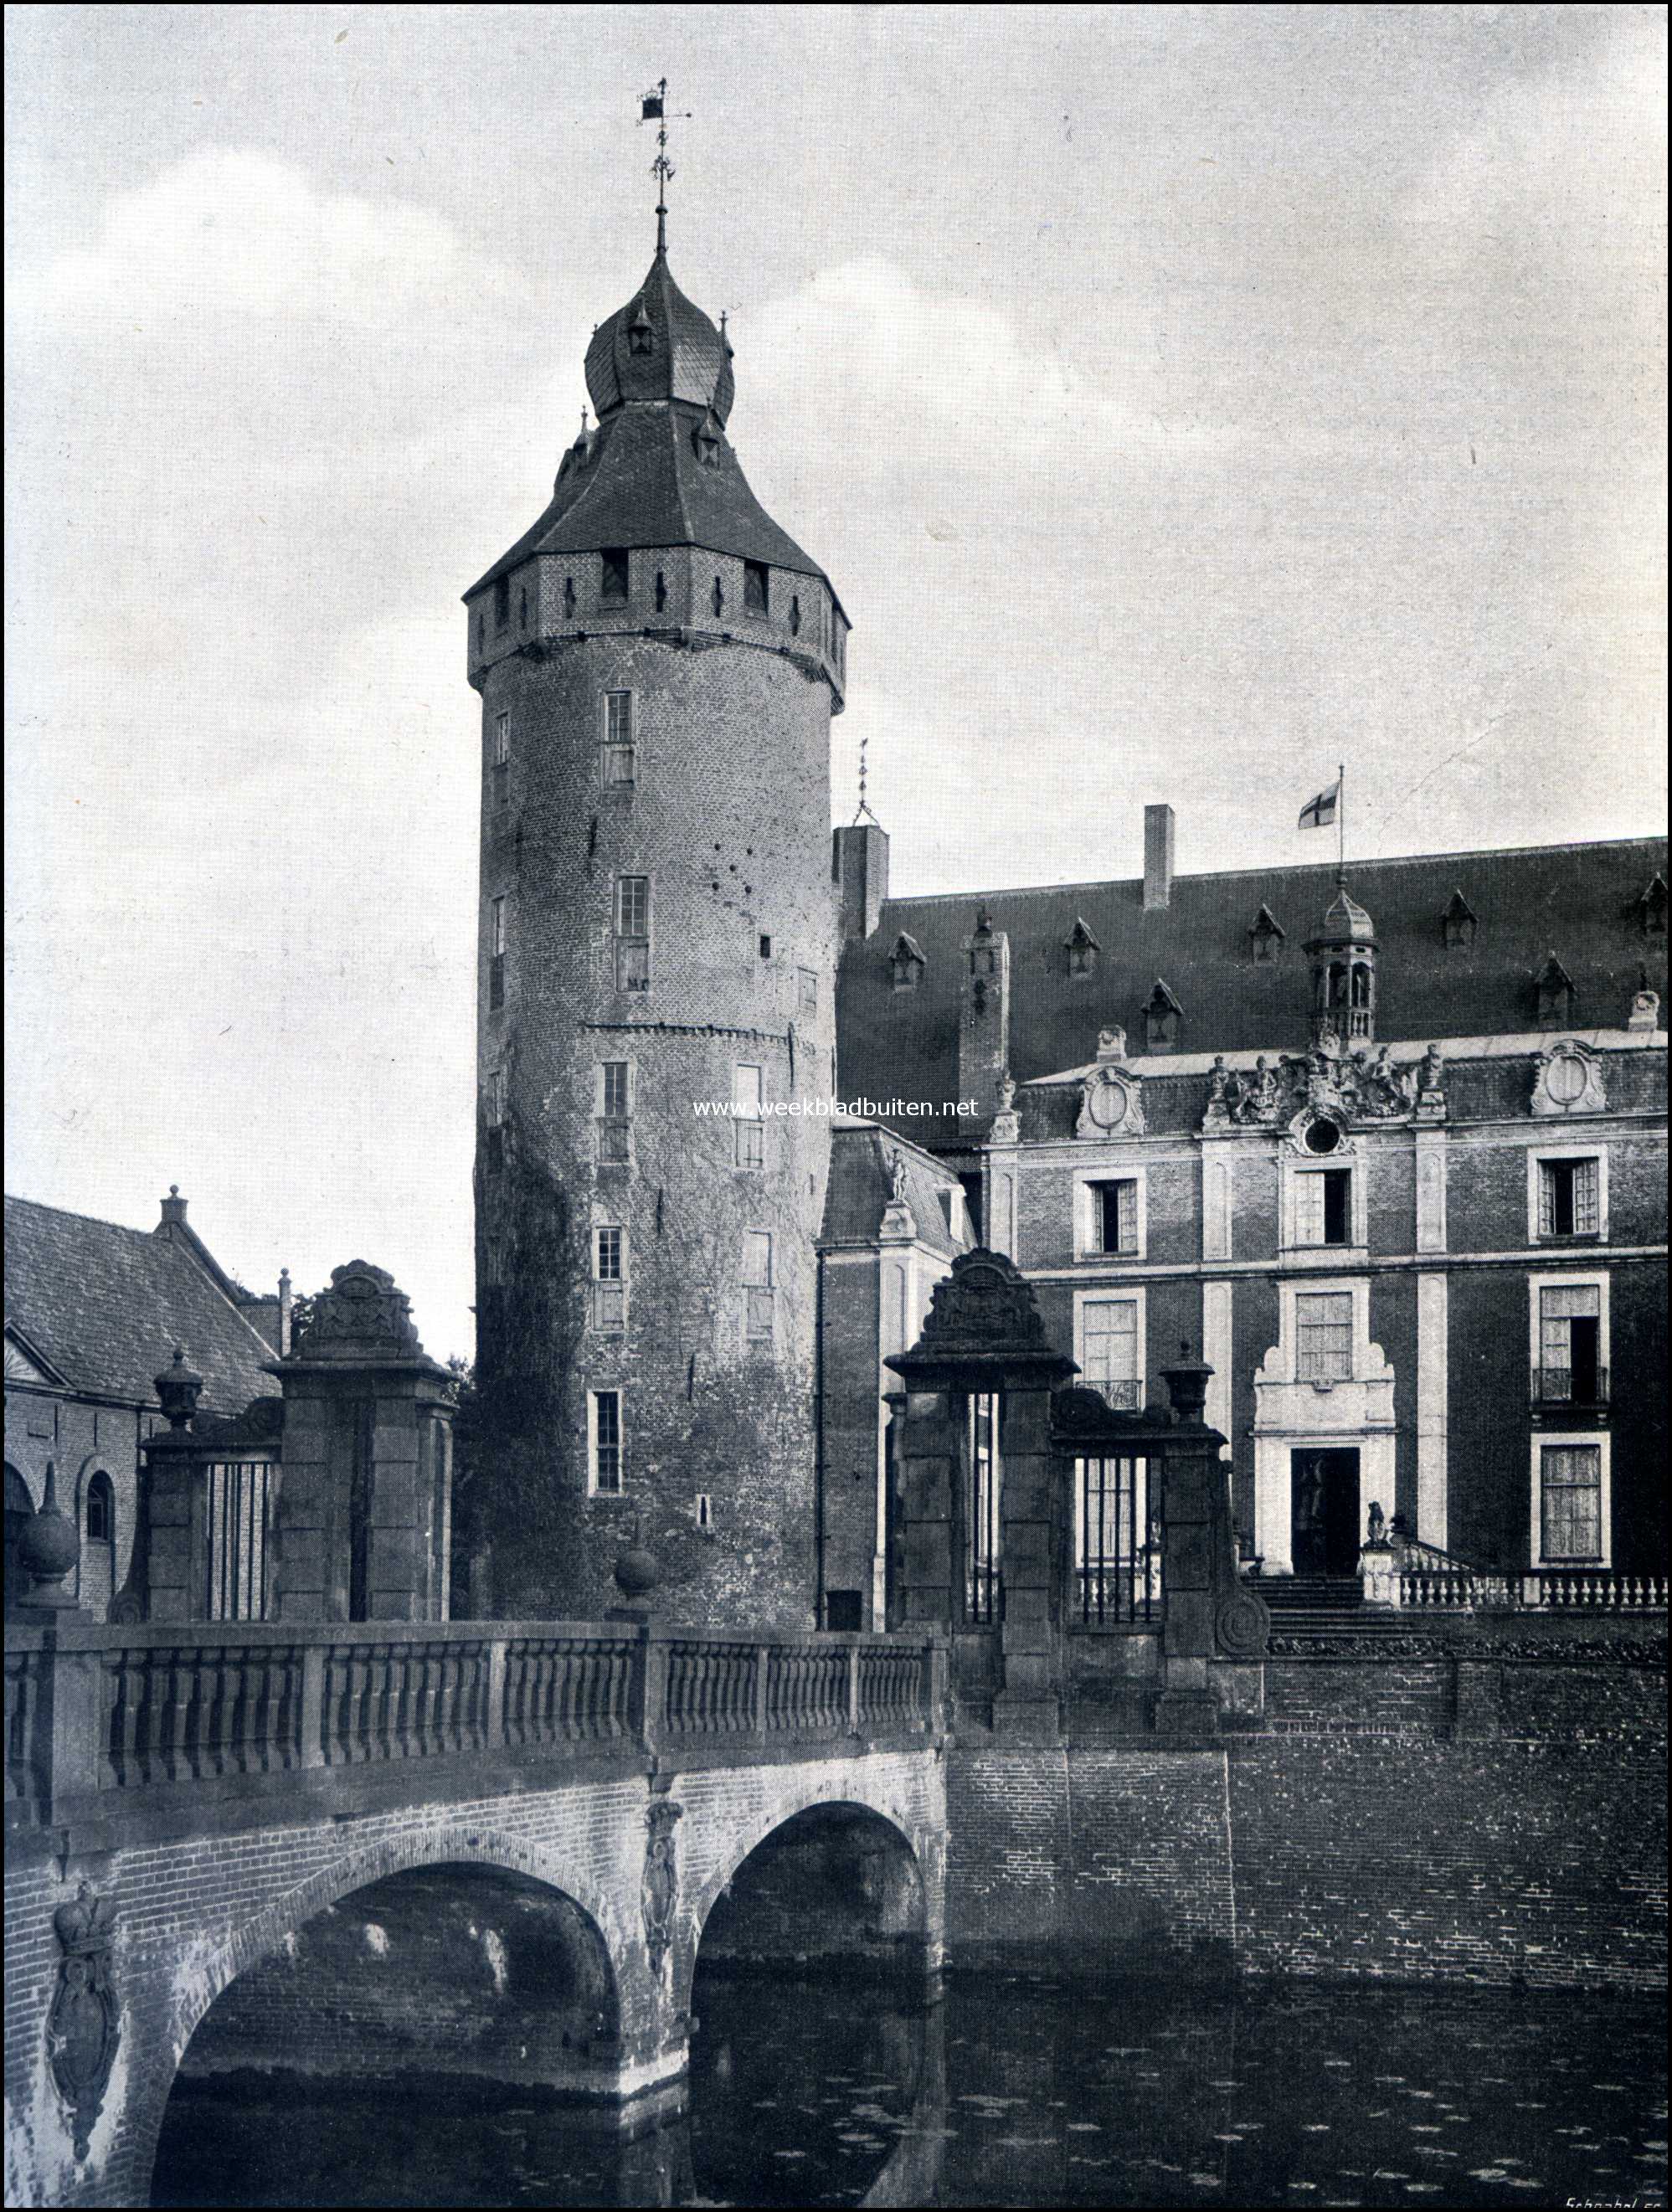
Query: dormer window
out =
(1082, 949)
(1265, 935)
(706, 440)
(640, 337)
(612, 591)
(756, 587)
(1163, 1017)
(1458, 923)
(906, 962)
(1651, 908)
(1555, 995)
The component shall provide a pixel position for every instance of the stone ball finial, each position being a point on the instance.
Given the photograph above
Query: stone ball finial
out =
(49, 1547)
(636, 1573)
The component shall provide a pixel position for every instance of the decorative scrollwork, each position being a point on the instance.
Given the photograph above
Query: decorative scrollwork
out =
(84, 2026)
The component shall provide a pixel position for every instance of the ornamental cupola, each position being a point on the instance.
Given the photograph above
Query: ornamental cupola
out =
(1343, 956)
(659, 347)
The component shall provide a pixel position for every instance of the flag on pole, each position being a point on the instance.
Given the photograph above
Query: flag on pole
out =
(1319, 812)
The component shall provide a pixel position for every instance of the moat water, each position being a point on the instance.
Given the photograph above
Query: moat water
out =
(1014, 2090)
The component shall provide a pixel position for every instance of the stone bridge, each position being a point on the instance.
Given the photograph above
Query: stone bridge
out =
(183, 1802)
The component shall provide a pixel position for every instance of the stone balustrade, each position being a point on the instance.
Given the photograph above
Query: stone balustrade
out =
(105, 1721)
(1456, 1588)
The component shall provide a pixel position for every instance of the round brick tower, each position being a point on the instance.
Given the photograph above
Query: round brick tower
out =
(658, 663)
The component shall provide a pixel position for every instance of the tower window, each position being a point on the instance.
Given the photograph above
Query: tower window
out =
(661, 592)
(795, 615)
(496, 1097)
(766, 948)
(632, 932)
(807, 990)
(522, 608)
(621, 763)
(501, 602)
(615, 1109)
(496, 936)
(613, 589)
(717, 596)
(757, 1288)
(749, 1137)
(756, 587)
(502, 761)
(568, 595)
(703, 1510)
(605, 1442)
(610, 1279)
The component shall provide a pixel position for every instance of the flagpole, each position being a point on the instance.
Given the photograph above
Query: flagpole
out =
(1341, 819)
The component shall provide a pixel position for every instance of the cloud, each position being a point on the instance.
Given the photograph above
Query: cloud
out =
(231, 233)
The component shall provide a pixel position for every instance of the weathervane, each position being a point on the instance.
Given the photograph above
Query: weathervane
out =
(654, 108)
(864, 804)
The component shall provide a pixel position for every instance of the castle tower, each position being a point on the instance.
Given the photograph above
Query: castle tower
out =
(659, 663)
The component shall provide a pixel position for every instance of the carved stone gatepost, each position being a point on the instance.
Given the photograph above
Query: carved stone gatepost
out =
(1214, 1627)
(364, 1520)
(983, 1338)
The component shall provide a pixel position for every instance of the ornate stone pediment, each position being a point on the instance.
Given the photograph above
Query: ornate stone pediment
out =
(1347, 1089)
(1567, 1079)
(362, 1313)
(1111, 1102)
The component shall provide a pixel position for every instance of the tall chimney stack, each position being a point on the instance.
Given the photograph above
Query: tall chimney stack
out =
(1158, 857)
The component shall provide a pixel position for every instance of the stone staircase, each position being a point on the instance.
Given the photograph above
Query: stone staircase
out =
(1315, 1603)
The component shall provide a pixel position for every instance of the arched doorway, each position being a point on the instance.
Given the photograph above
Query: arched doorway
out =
(375, 2046)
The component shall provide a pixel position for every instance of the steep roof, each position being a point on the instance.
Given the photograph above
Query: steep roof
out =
(1583, 902)
(105, 1306)
(861, 1184)
(657, 468)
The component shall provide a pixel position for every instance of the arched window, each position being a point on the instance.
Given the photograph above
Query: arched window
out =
(1361, 984)
(97, 1569)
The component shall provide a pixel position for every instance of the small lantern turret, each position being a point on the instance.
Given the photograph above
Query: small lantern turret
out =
(1343, 956)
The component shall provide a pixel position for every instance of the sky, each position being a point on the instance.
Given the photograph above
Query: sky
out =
(1182, 400)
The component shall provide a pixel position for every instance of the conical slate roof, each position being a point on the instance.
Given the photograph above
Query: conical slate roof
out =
(657, 468)
(659, 346)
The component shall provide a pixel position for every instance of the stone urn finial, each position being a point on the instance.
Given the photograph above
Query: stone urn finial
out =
(1187, 1385)
(178, 1390)
(49, 1548)
(636, 1572)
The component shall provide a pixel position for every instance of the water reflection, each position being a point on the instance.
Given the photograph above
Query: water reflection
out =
(1014, 2091)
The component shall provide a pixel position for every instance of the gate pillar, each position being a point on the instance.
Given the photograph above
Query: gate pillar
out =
(983, 1339)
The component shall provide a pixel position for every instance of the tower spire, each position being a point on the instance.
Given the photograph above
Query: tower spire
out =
(653, 108)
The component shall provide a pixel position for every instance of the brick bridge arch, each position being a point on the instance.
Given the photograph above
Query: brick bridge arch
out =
(194, 1911)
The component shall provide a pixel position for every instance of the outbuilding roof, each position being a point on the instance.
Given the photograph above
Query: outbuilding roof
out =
(105, 1306)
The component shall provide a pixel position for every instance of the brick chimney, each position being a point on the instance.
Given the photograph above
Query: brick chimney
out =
(859, 862)
(174, 1209)
(1158, 857)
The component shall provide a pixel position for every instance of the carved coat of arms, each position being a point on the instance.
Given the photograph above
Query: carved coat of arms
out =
(661, 1887)
(83, 2027)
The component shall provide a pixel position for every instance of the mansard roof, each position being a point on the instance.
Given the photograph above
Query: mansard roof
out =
(1582, 899)
(105, 1307)
(861, 1184)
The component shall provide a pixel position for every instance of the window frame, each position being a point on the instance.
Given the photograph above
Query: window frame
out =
(1316, 1294)
(1548, 1440)
(610, 1292)
(757, 575)
(747, 1119)
(1347, 1160)
(1088, 1225)
(615, 561)
(596, 1446)
(603, 1120)
(754, 1293)
(1569, 1279)
(612, 745)
(1134, 1295)
(626, 943)
(1541, 1156)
